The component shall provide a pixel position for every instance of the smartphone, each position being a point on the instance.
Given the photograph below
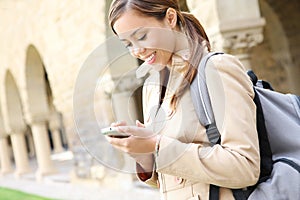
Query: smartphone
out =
(112, 132)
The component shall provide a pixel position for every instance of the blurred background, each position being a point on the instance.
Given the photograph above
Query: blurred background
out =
(45, 46)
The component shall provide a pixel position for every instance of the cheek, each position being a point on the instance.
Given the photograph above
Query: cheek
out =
(131, 51)
(165, 57)
(162, 39)
(166, 44)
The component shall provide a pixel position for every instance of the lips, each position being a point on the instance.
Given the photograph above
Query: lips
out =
(151, 59)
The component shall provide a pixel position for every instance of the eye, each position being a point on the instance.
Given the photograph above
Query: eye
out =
(143, 37)
(127, 44)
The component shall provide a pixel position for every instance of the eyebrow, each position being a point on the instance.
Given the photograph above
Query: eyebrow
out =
(133, 33)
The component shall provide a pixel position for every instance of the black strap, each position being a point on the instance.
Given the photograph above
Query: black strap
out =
(266, 164)
(266, 85)
(214, 192)
(289, 162)
(240, 194)
(252, 76)
(260, 83)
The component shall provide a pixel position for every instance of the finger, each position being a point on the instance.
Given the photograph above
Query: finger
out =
(111, 140)
(117, 146)
(139, 132)
(139, 124)
(116, 141)
(131, 130)
(118, 123)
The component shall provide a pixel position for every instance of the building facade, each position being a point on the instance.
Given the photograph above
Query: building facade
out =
(46, 45)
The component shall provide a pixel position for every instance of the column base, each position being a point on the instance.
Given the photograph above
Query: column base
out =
(6, 171)
(41, 173)
(19, 173)
(58, 150)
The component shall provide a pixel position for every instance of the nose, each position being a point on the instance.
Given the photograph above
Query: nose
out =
(137, 51)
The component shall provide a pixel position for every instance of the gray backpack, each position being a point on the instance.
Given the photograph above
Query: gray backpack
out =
(278, 126)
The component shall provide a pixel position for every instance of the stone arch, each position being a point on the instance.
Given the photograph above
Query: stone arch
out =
(38, 108)
(37, 99)
(15, 124)
(40, 98)
(15, 118)
(5, 153)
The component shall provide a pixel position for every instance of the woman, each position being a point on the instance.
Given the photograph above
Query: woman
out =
(171, 149)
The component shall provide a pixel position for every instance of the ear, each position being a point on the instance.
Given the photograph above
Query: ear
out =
(171, 17)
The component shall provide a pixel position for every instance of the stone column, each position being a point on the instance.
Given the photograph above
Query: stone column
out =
(6, 164)
(54, 125)
(42, 147)
(20, 153)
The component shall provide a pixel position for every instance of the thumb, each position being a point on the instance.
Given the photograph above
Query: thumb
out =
(118, 123)
(139, 124)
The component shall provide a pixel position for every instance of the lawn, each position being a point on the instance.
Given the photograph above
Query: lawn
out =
(9, 194)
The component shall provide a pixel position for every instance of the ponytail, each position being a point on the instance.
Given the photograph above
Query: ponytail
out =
(197, 37)
(198, 41)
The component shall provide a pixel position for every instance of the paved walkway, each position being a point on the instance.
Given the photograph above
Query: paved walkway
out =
(58, 186)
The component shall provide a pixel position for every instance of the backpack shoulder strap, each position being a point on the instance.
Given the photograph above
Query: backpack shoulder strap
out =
(201, 100)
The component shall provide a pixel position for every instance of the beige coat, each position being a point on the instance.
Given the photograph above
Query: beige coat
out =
(185, 163)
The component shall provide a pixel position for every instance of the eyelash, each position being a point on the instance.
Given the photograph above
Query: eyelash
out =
(143, 37)
(128, 45)
(139, 39)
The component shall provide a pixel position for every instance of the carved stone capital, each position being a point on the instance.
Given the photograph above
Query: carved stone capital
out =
(240, 42)
(38, 120)
(238, 39)
(11, 131)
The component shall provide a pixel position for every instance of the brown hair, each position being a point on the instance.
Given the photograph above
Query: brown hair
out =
(194, 31)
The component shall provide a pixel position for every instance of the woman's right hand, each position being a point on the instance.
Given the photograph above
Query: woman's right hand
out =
(145, 160)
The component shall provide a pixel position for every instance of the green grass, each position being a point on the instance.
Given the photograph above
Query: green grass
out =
(9, 194)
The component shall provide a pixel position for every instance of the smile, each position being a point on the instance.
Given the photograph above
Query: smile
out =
(150, 59)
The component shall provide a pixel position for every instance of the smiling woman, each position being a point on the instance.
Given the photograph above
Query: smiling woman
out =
(171, 148)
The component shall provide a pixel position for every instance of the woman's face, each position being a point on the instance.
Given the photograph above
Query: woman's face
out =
(147, 38)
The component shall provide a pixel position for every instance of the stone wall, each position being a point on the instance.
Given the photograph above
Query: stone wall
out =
(64, 33)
